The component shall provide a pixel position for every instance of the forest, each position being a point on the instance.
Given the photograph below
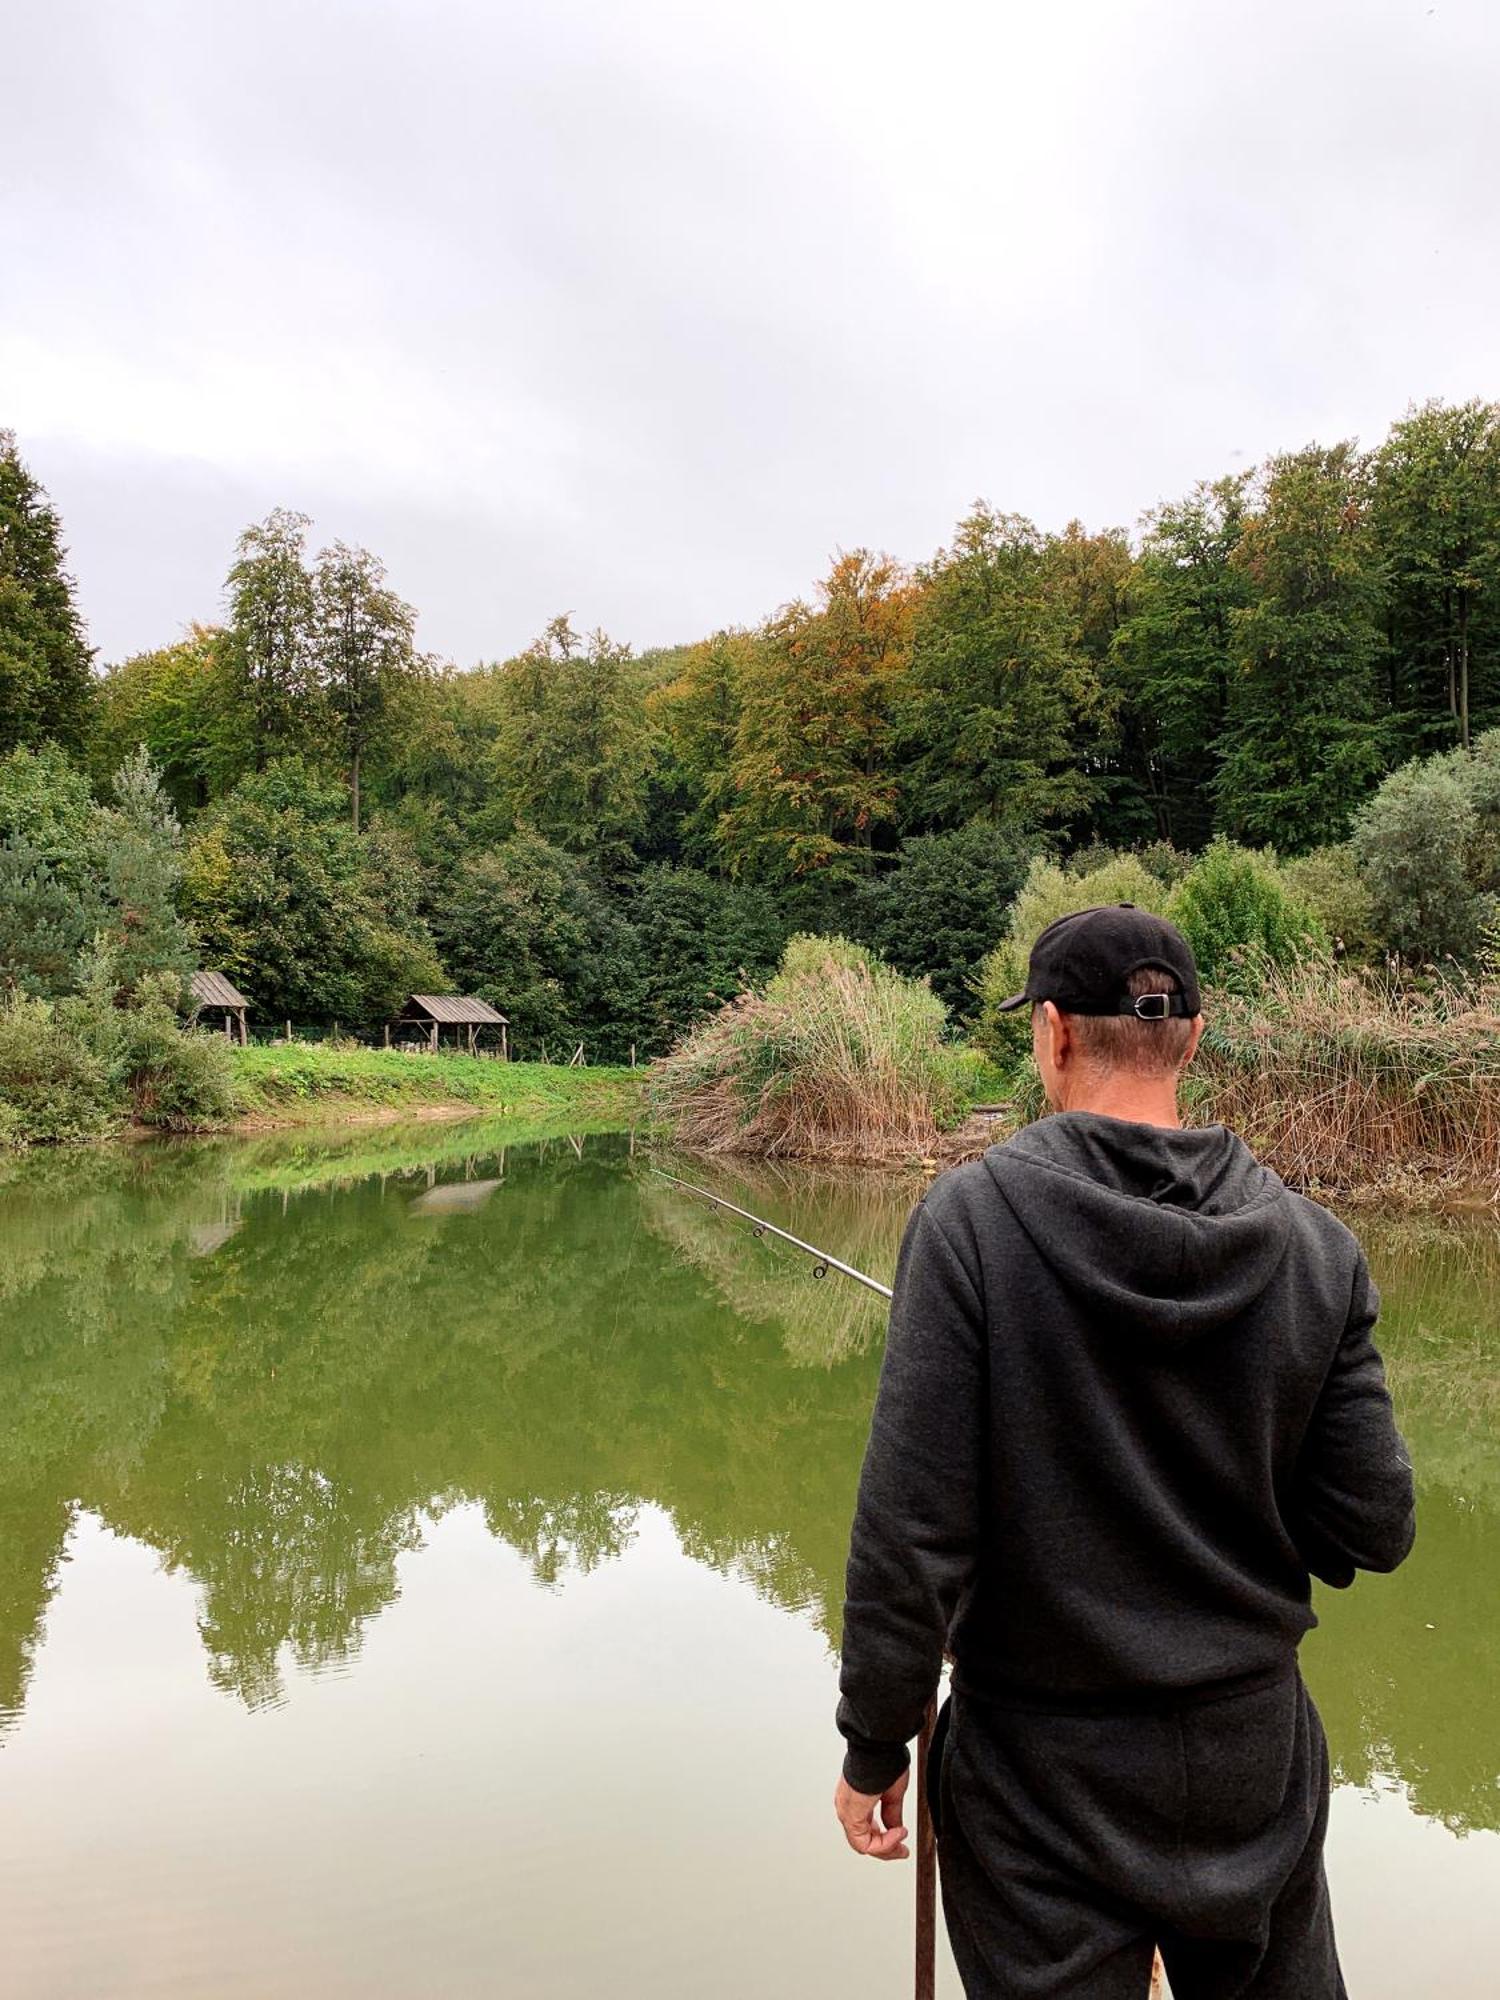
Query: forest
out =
(1300, 660)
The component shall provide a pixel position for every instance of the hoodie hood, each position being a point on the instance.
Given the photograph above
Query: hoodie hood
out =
(1173, 1231)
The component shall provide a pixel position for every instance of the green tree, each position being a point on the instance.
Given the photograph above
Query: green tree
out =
(44, 924)
(140, 868)
(945, 905)
(527, 927)
(1428, 850)
(1435, 511)
(177, 703)
(269, 641)
(362, 645)
(44, 656)
(1239, 914)
(999, 684)
(1303, 741)
(813, 775)
(701, 941)
(313, 921)
(697, 714)
(1172, 660)
(572, 749)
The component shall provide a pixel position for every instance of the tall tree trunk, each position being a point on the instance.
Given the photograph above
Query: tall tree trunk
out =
(354, 785)
(1463, 668)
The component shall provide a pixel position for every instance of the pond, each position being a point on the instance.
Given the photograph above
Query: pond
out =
(421, 1568)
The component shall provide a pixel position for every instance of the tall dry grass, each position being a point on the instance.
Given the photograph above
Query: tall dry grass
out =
(838, 1058)
(1343, 1078)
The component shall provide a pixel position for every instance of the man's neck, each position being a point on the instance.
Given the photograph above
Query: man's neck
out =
(1140, 1102)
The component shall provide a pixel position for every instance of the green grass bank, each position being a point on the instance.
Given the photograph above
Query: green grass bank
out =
(313, 1083)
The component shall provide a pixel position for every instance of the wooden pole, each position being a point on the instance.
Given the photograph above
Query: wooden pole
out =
(926, 1958)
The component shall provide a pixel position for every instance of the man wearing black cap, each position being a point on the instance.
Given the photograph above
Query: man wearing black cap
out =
(1130, 1405)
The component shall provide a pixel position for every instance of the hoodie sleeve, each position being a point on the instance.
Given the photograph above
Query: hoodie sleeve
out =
(1356, 1506)
(916, 1522)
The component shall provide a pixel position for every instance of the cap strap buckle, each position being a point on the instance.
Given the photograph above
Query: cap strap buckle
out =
(1152, 1006)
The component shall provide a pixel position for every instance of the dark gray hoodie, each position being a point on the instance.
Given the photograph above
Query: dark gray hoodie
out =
(1130, 1400)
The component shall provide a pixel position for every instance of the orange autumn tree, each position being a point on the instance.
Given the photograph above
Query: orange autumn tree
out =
(813, 764)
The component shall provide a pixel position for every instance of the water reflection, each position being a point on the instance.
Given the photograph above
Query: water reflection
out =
(276, 1364)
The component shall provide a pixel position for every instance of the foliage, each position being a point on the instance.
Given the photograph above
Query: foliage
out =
(1414, 843)
(527, 927)
(177, 702)
(999, 684)
(362, 646)
(837, 1057)
(1051, 890)
(1239, 915)
(268, 644)
(1171, 662)
(44, 656)
(44, 924)
(945, 905)
(1303, 737)
(140, 867)
(1338, 1076)
(813, 773)
(1436, 508)
(570, 753)
(54, 1086)
(311, 920)
(79, 1067)
(1328, 884)
(701, 941)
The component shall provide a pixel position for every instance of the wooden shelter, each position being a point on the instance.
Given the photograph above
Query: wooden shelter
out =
(213, 994)
(430, 1013)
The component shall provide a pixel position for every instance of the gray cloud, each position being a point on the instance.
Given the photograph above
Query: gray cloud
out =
(638, 308)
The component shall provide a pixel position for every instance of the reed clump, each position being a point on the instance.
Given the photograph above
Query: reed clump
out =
(1345, 1078)
(836, 1058)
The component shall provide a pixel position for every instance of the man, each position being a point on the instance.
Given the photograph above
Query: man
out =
(1130, 1404)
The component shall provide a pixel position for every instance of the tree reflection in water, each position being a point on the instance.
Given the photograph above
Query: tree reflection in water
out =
(274, 1362)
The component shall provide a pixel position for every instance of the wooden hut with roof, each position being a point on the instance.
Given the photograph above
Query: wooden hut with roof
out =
(430, 1013)
(213, 995)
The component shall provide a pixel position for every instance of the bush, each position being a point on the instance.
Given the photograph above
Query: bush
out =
(54, 1085)
(177, 1079)
(946, 905)
(838, 1058)
(1413, 843)
(1328, 883)
(1051, 890)
(1338, 1077)
(1237, 912)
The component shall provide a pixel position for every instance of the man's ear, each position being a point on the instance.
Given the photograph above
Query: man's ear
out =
(1194, 1038)
(1060, 1041)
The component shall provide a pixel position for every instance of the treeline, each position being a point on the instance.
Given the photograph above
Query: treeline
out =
(605, 844)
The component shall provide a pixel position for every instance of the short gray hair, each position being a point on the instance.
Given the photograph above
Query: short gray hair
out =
(1122, 1041)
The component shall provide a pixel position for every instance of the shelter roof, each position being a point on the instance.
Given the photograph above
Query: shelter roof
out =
(454, 1009)
(212, 989)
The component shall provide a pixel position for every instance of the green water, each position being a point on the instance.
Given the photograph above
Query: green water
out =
(420, 1571)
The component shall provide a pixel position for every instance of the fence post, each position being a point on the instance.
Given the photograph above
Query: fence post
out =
(289, 1034)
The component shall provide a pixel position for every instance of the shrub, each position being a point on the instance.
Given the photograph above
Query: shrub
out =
(1051, 890)
(838, 1057)
(1412, 843)
(1238, 914)
(1338, 1076)
(178, 1079)
(54, 1086)
(1328, 883)
(946, 905)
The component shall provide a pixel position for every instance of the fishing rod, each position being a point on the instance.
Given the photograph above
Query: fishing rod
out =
(823, 1263)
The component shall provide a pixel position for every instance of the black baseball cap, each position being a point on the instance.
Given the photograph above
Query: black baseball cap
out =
(1083, 962)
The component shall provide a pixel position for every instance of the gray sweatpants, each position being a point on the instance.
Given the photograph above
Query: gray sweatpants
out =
(1072, 1844)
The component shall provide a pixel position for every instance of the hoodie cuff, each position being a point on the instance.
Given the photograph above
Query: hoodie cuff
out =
(872, 1768)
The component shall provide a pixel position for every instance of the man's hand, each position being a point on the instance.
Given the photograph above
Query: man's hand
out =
(885, 1841)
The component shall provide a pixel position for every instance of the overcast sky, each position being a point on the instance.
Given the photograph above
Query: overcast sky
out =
(640, 308)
